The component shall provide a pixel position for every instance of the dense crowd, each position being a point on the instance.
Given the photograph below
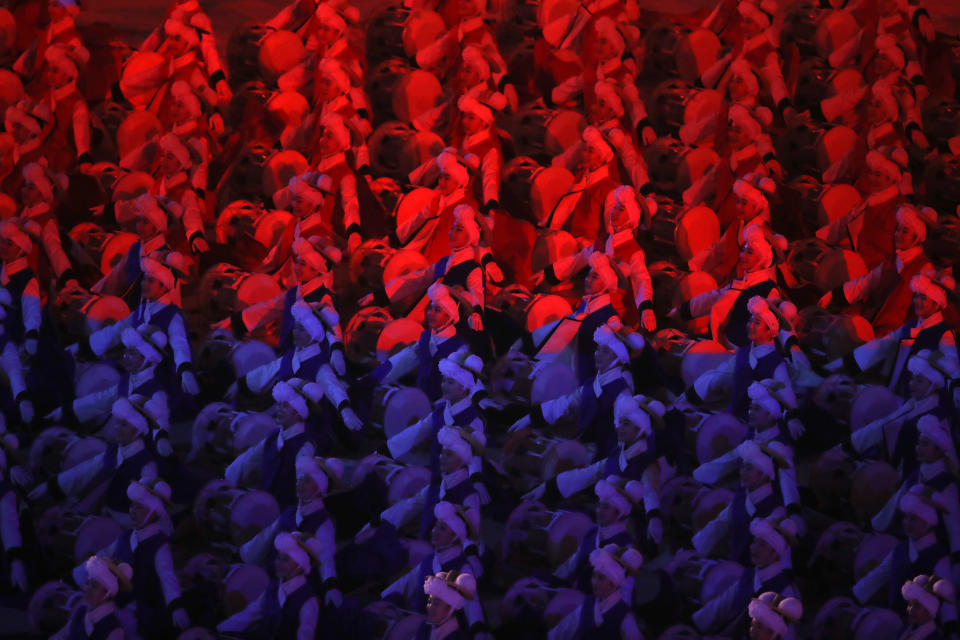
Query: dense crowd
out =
(480, 319)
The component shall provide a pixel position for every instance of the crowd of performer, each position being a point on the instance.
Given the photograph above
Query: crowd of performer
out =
(479, 319)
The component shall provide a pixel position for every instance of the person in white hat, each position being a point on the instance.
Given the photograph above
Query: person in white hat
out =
(453, 537)
(427, 231)
(579, 209)
(918, 552)
(11, 537)
(24, 315)
(146, 547)
(102, 580)
(727, 306)
(890, 353)
(616, 499)
(276, 454)
(158, 292)
(634, 459)
(622, 213)
(768, 571)
(39, 193)
(440, 339)
(928, 599)
(758, 495)
(180, 177)
(334, 93)
(593, 402)
(289, 607)
(460, 459)
(477, 140)
(315, 478)
(773, 617)
(144, 350)
(128, 457)
(471, 32)
(447, 593)
(329, 158)
(69, 141)
(605, 612)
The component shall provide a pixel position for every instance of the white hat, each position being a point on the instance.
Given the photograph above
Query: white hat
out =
(295, 548)
(147, 207)
(11, 231)
(439, 295)
(456, 520)
(308, 254)
(58, 56)
(640, 410)
(466, 445)
(36, 174)
(154, 495)
(887, 47)
(148, 340)
(485, 109)
(473, 57)
(289, 392)
(126, 409)
(928, 592)
(606, 27)
(750, 451)
(741, 68)
(177, 28)
(934, 430)
(777, 532)
(625, 196)
(606, 561)
(916, 219)
(766, 393)
(622, 499)
(754, 237)
(158, 271)
(329, 16)
(774, 613)
(595, 139)
(450, 590)
(935, 289)
(933, 366)
(465, 368)
(605, 336)
(171, 143)
(322, 471)
(108, 575)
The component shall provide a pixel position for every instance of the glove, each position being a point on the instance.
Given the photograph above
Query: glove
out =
(199, 245)
(38, 492)
(796, 428)
(825, 300)
(648, 135)
(536, 493)
(188, 382)
(475, 322)
(180, 619)
(655, 530)
(350, 419)
(201, 21)
(224, 95)
(522, 423)
(648, 320)
(26, 411)
(20, 476)
(333, 598)
(30, 344)
(336, 361)
(18, 575)
(163, 446)
(353, 242)
(56, 415)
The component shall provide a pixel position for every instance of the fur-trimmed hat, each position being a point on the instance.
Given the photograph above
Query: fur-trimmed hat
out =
(467, 445)
(604, 336)
(456, 520)
(485, 109)
(777, 531)
(768, 394)
(464, 367)
(289, 391)
(934, 366)
(933, 287)
(645, 413)
(760, 308)
(929, 592)
(113, 577)
(592, 137)
(775, 613)
(154, 494)
(449, 163)
(11, 231)
(621, 495)
(916, 503)
(452, 589)
(439, 295)
(916, 219)
(324, 471)
(148, 340)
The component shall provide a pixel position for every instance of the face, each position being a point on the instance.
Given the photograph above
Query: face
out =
(604, 357)
(437, 611)
(177, 44)
(468, 8)
(468, 76)
(602, 585)
(449, 461)
(471, 123)
(905, 238)
(140, 515)
(19, 132)
(286, 414)
(739, 138)
(747, 209)
(151, 288)
(304, 270)
(30, 195)
(179, 112)
(759, 418)
(328, 143)
(9, 251)
(917, 615)
(300, 336)
(326, 90)
(605, 48)
(56, 77)
(919, 387)
(751, 477)
(94, 594)
(326, 34)
(132, 360)
(593, 284)
(607, 514)
(927, 451)
(914, 527)
(302, 207)
(738, 88)
(285, 567)
(750, 259)
(459, 236)
(437, 318)
(627, 432)
(923, 306)
(125, 433)
(145, 228)
(592, 158)
(452, 391)
(306, 488)
(762, 554)
(759, 632)
(601, 111)
(446, 184)
(170, 164)
(759, 332)
(619, 218)
(442, 536)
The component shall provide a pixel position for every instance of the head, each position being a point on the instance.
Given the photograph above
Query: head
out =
(329, 142)
(920, 386)
(442, 536)
(459, 235)
(141, 515)
(914, 526)
(751, 258)
(604, 357)
(924, 306)
(471, 123)
(628, 431)
(438, 611)
(447, 184)
(606, 513)
(125, 432)
(437, 317)
(762, 555)
(304, 269)
(10, 250)
(94, 594)
(927, 450)
(759, 331)
(751, 476)
(132, 360)
(450, 461)
(759, 418)
(286, 414)
(286, 567)
(307, 488)
(593, 157)
(905, 237)
(602, 585)
(151, 288)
